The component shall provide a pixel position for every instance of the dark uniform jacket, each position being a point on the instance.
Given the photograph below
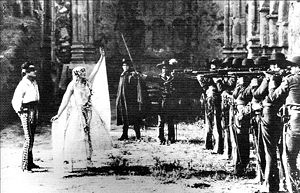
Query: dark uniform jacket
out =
(167, 94)
(261, 94)
(290, 87)
(127, 99)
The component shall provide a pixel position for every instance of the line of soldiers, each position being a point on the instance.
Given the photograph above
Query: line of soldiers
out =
(236, 106)
(267, 107)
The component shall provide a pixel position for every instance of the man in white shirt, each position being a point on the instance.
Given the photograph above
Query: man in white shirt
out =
(25, 102)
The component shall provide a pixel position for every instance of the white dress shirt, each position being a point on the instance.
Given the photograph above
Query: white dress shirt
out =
(26, 91)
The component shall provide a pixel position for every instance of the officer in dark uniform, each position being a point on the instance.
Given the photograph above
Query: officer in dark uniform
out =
(167, 102)
(290, 89)
(127, 106)
(271, 125)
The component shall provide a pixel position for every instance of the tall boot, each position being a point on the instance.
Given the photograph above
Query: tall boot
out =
(125, 132)
(171, 130)
(137, 131)
(161, 135)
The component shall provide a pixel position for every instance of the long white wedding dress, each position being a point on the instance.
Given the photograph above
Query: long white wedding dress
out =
(76, 142)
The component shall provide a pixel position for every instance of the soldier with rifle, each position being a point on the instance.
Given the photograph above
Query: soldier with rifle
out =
(213, 127)
(227, 100)
(127, 104)
(270, 123)
(241, 145)
(131, 98)
(256, 120)
(290, 89)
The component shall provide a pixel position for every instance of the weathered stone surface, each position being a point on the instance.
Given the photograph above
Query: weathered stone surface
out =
(294, 29)
(158, 29)
(283, 11)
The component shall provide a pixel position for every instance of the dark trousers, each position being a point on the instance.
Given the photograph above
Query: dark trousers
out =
(136, 127)
(292, 149)
(164, 118)
(213, 129)
(241, 147)
(256, 124)
(227, 135)
(29, 120)
(218, 132)
(271, 132)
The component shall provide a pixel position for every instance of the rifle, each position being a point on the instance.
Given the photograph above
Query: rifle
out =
(127, 48)
(213, 75)
(246, 73)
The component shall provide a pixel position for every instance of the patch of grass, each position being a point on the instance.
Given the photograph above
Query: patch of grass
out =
(169, 172)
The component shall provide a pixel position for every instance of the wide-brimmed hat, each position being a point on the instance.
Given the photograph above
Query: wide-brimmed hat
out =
(126, 62)
(247, 63)
(295, 61)
(279, 59)
(227, 62)
(237, 63)
(261, 62)
(165, 64)
(215, 63)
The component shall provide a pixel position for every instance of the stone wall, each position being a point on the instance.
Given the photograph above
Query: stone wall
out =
(271, 26)
(294, 29)
(155, 30)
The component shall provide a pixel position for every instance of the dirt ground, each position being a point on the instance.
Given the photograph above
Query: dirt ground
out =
(132, 166)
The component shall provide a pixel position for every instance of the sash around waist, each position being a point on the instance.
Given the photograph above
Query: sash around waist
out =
(32, 104)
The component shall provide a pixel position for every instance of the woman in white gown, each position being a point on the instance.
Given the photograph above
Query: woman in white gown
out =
(80, 130)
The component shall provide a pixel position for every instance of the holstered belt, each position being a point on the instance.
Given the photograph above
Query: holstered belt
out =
(29, 106)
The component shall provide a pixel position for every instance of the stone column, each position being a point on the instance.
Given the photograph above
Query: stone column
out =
(273, 31)
(27, 7)
(283, 11)
(236, 28)
(226, 24)
(239, 29)
(294, 29)
(83, 50)
(252, 36)
(264, 27)
(227, 28)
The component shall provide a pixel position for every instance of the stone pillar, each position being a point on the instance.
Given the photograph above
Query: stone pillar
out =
(294, 29)
(264, 27)
(236, 28)
(239, 29)
(20, 4)
(27, 7)
(227, 49)
(226, 24)
(252, 35)
(283, 11)
(273, 30)
(83, 49)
